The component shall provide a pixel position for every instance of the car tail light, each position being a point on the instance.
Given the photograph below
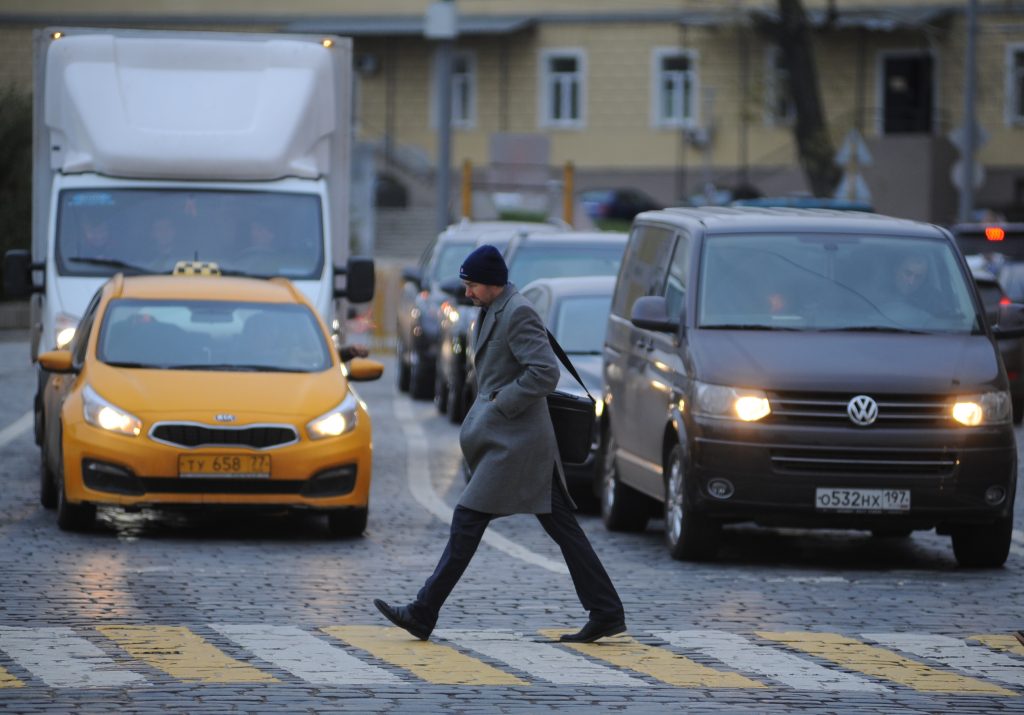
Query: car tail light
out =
(995, 233)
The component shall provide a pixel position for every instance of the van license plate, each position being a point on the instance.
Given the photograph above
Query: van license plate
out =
(241, 466)
(862, 499)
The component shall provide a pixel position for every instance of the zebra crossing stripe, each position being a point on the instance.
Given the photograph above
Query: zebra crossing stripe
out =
(956, 654)
(660, 664)
(1010, 644)
(61, 659)
(304, 655)
(881, 663)
(182, 654)
(9, 681)
(429, 661)
(543, 661)
(738, 652)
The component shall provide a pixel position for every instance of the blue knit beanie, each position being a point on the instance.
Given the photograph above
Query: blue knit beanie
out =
(485, 265)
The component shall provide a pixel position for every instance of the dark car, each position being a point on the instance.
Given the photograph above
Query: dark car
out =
(800, 367)
(998, 242)
(1011, 350)
(621, 204)
(575, 310)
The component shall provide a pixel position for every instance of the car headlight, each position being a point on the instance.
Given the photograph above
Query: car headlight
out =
(986, 408)
(730, 402)
(108, 416)
(337, 422)
(64, 327)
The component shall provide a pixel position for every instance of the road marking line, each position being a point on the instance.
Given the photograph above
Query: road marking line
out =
(418, 473)
(1010, 644)
(660, 664)
(432, 662)
(544, 661)
(304, 655)
(956, 654)
(17, 428)
(9, 681)
(61, 659)
(740, 653)
(881, 663)
(182, 654)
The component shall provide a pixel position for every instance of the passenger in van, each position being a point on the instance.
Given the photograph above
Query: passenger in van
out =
(163, 236)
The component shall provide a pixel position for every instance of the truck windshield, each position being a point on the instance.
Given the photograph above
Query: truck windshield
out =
(832, 282)
(103, 231)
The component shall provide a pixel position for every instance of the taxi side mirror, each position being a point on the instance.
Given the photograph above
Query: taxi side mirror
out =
(363, 370)
(59, 361)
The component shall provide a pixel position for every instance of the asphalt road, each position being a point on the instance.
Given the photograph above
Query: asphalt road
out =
(242, 612)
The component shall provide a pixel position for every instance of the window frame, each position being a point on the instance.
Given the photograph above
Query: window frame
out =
(658, 55)
(773, 80)
(472, 83)
(546, 120)
(1014, 86)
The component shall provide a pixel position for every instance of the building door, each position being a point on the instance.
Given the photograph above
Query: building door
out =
(907, 94)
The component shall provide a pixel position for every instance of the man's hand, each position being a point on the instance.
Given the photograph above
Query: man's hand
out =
(348, 352)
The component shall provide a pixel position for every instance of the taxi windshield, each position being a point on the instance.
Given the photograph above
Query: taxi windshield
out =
(260, 233)
(212, 335)
(834, 282)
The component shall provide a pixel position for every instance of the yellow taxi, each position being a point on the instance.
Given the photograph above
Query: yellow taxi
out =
(202, 390)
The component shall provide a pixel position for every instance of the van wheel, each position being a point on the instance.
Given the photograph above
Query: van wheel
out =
(689, 536)
(622, 507)
(71, 517)
(404, 373)
(347, 522)
(983, 547)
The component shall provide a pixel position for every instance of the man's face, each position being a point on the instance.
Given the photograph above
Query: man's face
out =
(910, 275)
(481, 293)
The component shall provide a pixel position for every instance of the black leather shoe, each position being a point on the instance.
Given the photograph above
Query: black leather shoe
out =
(401, 617)
(595, 630)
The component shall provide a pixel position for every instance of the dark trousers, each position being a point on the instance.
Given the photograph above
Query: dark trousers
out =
(593, 587)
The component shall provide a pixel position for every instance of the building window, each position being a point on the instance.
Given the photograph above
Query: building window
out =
(675, 87)
(778, 102)
(1015, 84)
(463, 78)
(563, 88)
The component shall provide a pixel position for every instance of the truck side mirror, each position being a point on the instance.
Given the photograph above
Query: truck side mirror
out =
(455, 288)
(1010, 321)
(18, 273)
(651, 313)
(413, 275)
(359, 280)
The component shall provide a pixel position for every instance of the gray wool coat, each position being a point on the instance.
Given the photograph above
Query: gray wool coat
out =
(507, 437)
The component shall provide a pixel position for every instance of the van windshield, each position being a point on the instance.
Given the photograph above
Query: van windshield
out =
(103, 231)
(834, 282)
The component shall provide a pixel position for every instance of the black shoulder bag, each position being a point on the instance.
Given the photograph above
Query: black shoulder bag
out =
(572, 416)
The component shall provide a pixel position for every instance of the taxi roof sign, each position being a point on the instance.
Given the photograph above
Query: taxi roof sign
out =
(196, 268)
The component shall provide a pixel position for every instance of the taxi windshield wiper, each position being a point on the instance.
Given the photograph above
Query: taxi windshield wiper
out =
(115, 363)
(112, 262)
(234, 367)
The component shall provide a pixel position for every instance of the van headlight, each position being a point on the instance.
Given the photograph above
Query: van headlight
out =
(108, 416)
(336, 422)
(734, 403)
(986, 408)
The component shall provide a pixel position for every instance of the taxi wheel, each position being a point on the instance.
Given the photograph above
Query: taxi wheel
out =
(347, 522)
(689, 536)
(1018, 411)
(47, 483)
(72, 517)
(622, 507)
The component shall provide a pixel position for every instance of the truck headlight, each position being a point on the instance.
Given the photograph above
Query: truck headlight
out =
(730, 402)
(336, 422)
(64, 327)
(108, 416)
(986, 408)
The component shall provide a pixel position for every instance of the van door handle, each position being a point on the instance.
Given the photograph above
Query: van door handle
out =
(645, 344)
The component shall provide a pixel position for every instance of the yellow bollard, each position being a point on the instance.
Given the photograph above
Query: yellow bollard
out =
(568, 198)
(467, 189)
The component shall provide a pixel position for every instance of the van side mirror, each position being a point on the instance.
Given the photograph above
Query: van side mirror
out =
(455, 288)
(1010, 321)
(651, 313)
(18, 273)
(359, 280)
(413, 275)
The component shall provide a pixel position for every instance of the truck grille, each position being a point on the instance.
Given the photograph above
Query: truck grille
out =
(893, 410)
(190, 434)
(903, 462)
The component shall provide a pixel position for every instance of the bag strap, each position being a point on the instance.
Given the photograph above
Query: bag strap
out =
(564, 359)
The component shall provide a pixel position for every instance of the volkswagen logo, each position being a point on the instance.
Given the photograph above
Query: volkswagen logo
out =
(224, 417)
(862, 410)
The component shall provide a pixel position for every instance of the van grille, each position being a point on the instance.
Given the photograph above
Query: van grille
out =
(893, 410)
(931, 463)
(189, 434)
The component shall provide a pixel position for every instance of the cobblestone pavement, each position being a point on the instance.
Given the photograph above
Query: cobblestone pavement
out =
(243, 612)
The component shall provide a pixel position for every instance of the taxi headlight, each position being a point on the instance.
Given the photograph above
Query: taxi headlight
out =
(107, 416)
(337, 422)
(730, 402)
(987, 408)
(64, 329)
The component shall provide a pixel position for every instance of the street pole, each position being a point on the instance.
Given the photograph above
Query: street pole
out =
(970, 124)
(441, 25)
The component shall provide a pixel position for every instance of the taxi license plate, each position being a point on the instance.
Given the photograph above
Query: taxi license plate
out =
(241, 466)
(862, 499)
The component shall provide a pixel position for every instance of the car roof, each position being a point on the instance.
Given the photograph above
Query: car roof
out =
(569, 237)
(761, 219)
(248, 290)
(575, 285)
(469, 232)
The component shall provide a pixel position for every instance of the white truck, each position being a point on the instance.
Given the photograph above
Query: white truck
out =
(152, 147)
